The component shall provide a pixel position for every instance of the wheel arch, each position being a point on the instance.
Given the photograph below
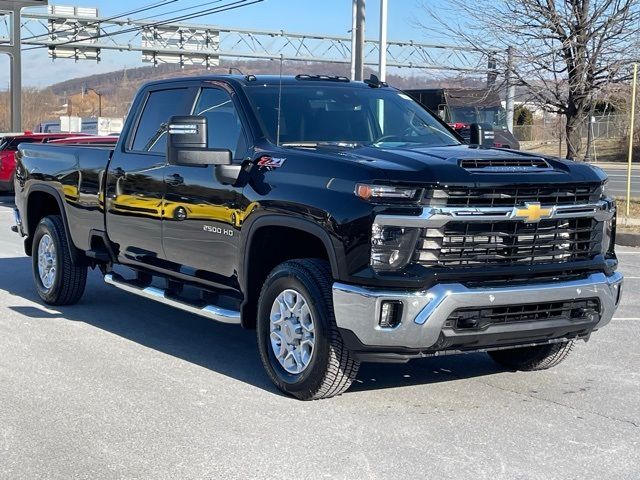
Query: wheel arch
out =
(41, 201)
(298, 237)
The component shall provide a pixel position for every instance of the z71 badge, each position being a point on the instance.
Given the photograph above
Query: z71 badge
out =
(269, 162)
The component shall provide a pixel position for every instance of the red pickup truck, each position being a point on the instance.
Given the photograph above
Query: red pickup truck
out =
(9, 146)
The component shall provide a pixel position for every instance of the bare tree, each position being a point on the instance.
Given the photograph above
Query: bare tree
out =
(566, 51)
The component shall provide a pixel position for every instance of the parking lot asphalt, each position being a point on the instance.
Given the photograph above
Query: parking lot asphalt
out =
(118, 387)
(618, 180)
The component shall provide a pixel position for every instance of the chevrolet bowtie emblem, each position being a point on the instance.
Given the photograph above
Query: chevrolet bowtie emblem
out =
(532, 212)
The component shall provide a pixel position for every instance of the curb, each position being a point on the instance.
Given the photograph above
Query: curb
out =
(628, 239)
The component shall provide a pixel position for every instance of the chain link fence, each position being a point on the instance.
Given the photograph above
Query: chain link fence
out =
(609, 134)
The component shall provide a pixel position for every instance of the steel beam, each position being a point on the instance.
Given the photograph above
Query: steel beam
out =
(125, 35)
(360, 42)
(14, 8)
(382, 69)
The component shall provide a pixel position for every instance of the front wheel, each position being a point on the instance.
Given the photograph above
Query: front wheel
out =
(529, 359)
(58, 280)
(300, 345)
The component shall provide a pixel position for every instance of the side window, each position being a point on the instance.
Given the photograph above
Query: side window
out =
(161, 105)
(223, 123)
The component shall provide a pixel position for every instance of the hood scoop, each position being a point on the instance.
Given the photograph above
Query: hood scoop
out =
(505, 165)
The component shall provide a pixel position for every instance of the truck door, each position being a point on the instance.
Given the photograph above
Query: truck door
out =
(202, 215)
(135, 182)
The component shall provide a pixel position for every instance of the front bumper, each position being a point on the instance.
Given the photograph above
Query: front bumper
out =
(17, 228)
(424, 313)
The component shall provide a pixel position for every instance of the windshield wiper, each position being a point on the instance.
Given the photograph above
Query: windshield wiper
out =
(300, 144)
(342, 143)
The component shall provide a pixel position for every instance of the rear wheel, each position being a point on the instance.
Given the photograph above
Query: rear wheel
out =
(300, 345)
(58, 280)
(539, 357)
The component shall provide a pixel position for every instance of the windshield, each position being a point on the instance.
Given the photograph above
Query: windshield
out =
(314, 115)
(11, 143)
(496, 116)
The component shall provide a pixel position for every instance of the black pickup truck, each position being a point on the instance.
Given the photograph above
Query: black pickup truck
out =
(340, 219)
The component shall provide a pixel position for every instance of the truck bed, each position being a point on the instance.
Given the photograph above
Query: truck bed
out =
(77, 173)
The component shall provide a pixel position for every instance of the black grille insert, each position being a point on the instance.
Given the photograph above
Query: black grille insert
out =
(467, 244)
(469, 319)
(514, 196)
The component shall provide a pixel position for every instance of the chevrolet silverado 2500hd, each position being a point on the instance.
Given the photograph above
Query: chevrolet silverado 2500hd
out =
(341, 220)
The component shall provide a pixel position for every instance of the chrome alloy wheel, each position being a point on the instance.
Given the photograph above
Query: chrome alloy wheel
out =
(292, 331)
(47, 261)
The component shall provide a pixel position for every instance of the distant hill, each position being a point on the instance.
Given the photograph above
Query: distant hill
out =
(118, 88)
(109, 83)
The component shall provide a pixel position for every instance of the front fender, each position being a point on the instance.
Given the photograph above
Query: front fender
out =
(256, 221)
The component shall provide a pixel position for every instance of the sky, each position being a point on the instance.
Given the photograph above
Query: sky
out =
(330, 17)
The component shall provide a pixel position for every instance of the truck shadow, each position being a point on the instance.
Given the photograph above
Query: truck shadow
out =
(6, 200)
(225, 349)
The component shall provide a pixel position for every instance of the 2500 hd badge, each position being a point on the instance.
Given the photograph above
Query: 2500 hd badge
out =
(220, 231)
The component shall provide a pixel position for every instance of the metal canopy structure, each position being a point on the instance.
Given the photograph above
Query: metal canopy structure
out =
(10, 45)
(80, 34)
(189, 44)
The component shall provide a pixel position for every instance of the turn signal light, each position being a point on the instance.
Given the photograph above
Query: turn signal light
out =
(385, 192)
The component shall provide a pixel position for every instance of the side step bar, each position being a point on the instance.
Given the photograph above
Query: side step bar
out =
(209, 311)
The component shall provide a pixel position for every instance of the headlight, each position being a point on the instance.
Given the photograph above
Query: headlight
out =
(605, 189)
(386, 192)
(392, 247)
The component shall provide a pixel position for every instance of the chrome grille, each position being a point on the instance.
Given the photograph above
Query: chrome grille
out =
(514, 196)
(481, 318)
(466, 244)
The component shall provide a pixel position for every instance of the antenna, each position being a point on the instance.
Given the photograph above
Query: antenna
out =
(279, 102)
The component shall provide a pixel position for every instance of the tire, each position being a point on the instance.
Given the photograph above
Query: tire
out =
(331, 368)
(528, 359)
(65, 284)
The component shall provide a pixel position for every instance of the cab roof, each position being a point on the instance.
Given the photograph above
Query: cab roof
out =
(272, 80)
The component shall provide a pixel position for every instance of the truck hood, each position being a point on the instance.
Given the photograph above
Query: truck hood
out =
(441, 165)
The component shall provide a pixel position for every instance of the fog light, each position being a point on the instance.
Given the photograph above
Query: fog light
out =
(390, 314)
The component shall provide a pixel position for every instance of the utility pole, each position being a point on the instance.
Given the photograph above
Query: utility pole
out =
(354, 26)
(13, 49)
(492, 74)
(382, 74)
(358, 40)
(511, 88)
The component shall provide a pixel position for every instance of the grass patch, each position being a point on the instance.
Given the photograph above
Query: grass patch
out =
(605, 149)
(634, 208)
(628, 229)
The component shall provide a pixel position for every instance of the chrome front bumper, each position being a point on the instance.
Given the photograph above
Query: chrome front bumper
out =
(425, 312)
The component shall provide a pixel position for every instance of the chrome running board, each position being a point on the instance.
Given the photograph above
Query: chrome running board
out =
(212, 312)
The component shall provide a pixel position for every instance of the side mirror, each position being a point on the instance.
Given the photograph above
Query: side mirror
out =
(481, 134)
(187, 143)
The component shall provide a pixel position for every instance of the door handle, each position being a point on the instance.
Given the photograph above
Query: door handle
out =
(175, 179)
(119, 172)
